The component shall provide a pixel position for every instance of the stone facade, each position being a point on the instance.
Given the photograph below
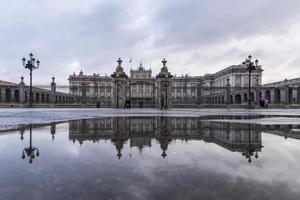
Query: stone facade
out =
(164, 90)
(18, 94)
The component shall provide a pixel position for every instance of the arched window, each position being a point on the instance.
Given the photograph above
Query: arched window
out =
(7, 95)
(277, 96)
(238, 99)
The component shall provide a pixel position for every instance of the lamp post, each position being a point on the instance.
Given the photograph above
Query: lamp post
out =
(250, 150)
(250, 66)
(31, 65)
(31, 152)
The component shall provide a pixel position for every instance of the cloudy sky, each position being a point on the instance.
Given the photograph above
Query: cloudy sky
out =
(196, 36)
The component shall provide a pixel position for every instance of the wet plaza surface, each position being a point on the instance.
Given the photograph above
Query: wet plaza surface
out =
(152, 157)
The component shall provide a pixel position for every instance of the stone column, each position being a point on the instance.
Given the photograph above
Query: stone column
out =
(119, 87)
(199, 99)
(227, 96)
(3, 94)
(12, 95)
(284, 95)
(22, 90)
(39, 99)
(294, 96)
(2, 90)
(164, 79)
(53, 91)
(297, 88)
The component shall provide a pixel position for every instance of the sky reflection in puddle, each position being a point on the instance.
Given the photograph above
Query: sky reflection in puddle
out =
(150, 158)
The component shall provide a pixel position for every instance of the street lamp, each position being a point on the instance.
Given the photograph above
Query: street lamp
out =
(31, 65)
(31, 152)
(250, 66)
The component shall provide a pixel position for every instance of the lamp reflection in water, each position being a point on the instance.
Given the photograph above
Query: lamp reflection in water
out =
(22, 130)
(164, 137)
(31, 152)
(53, 130)
(251, 150)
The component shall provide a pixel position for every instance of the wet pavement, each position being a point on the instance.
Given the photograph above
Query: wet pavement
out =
(152, 155)
(14, 118)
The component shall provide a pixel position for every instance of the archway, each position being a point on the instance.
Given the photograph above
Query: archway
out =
(47, 98)
(0, 95)
(25, 96)
(7, 95)
(251, 96)
(43, 98)
(277, 98)
(238, 99)
(290, 96)
(17, 96)
(37, 97)
(245, 97)
(231, 99)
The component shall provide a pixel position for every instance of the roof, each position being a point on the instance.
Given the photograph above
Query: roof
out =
(6, 83)
(285, 82)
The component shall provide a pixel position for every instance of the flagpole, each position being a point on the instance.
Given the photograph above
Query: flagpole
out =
(130, 61)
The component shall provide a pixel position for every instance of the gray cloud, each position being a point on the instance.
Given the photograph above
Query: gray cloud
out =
(197, 37)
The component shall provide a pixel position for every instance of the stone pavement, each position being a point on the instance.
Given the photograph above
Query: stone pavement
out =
(12, 118)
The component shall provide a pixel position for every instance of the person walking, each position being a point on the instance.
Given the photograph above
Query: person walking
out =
(266, 102)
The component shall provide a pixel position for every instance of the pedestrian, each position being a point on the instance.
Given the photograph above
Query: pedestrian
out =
(266, 102)
(261, 101)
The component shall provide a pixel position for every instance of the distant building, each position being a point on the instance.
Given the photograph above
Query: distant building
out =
(141, 89)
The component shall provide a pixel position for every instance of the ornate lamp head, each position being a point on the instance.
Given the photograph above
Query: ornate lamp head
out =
(24, 61)
(119, 61)
(164, 62)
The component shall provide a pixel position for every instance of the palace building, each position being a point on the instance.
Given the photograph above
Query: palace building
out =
(142, 89)
(228, 87)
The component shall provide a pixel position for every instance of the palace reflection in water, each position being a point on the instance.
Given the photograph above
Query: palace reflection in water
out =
(141, 132)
